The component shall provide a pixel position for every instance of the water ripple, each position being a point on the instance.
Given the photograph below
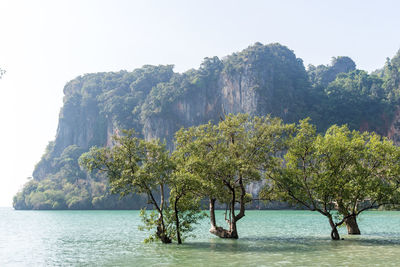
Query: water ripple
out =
(267, 238)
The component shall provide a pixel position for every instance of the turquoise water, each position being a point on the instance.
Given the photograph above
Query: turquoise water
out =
(267, 238)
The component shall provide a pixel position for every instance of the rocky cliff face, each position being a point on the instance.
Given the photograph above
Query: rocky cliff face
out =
(194, 108)
(238, 94)
(264, 80)
(394, 129)
(156, 102)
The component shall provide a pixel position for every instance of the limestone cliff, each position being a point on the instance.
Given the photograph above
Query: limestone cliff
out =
(156, 102)
(394, 129)
(260, 80)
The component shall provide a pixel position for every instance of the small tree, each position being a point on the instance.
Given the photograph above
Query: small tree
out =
(134, 165)
(201, 155)
(184, 200)
(227, 157)
(300, 180)
(339, 174)
(371, 179)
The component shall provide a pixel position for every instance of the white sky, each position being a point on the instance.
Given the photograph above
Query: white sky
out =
(44, 44)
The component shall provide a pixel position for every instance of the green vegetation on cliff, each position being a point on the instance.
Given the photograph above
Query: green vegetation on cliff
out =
(157, 102)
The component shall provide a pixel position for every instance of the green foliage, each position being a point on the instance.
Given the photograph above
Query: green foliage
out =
(184, 201)
(70, 187)
(371, 177)
(156, 101)
(343, 170)
(95, 98)
(322, 75)
(188, 217)
(123, 102)
(343, 95)
(391, 77)
(134, 165)
(150, 222)
(223, 159)
(162, 95)
(278, 77)
(356, 96)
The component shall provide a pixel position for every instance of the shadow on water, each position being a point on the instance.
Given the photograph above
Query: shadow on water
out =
(259, 245)
(279, 244)
(258, 251)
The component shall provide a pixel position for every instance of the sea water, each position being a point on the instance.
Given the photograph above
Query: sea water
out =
(266, 238)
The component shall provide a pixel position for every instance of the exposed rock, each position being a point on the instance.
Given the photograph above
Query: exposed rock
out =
(156, 102)
(394, 129)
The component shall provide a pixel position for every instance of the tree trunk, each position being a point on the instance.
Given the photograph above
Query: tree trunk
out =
(219, 231)
(232, 222)
(212, 213)
(161, 231)
(233, 229)
(161, 234)
(334, 232)
(242, 197)
(352, 226)
(178, 231)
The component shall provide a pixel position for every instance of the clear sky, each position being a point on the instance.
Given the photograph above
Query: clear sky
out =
(44, 44)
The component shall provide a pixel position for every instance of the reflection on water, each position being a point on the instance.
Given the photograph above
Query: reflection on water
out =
(267, 238)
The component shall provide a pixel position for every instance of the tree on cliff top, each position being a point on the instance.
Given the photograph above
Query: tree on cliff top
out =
(321, 75)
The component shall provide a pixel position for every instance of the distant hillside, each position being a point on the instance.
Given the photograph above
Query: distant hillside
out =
(156, 101)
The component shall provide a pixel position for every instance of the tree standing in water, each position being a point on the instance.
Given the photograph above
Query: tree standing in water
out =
(339, 174)
(372, 178)
(227, 157)
(134, 165)
(300, 180)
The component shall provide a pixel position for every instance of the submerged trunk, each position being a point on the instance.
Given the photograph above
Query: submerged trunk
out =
(219, 231)
(352, 226)
(161, 230)
(233, 218)
(334, 232)
(161, 233)
(232, 229)
(232, 221)
(178, 231)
